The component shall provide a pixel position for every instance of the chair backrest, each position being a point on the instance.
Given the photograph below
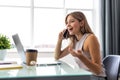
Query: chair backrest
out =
(112, 65)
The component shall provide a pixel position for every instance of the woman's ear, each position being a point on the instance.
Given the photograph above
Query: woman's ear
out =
(82, 23)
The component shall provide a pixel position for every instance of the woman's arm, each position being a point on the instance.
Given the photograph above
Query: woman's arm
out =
(93, 48)
(58, 52)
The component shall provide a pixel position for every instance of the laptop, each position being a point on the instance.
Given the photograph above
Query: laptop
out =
(21, 52)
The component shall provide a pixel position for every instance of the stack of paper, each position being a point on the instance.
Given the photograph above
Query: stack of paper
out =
(9, 65)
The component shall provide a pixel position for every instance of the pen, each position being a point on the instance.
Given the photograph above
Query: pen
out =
(4, 63)
(52, 64)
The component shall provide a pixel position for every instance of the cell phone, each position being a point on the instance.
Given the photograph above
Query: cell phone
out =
(66, 34)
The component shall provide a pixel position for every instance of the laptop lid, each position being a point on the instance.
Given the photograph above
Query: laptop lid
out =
(19, 46)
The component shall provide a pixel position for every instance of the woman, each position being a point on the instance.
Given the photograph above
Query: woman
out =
(84, 46)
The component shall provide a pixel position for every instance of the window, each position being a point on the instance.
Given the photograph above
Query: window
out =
(38, 22)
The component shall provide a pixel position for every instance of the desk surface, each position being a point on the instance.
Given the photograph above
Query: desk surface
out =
(56, 72)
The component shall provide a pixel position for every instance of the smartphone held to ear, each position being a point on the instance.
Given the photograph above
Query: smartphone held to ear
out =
(66, 34)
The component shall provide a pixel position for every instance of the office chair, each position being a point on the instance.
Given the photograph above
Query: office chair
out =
(112, 66)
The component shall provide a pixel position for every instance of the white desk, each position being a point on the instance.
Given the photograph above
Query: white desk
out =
(56, 72)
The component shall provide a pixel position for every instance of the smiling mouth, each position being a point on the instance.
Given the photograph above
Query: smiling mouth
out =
(70, 29)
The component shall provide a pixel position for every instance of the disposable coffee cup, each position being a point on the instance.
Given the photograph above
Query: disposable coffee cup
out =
(31, 57)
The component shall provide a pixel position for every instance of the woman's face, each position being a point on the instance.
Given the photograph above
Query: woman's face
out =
(73, 25)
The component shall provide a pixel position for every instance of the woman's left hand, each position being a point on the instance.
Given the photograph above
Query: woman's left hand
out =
(74, 52)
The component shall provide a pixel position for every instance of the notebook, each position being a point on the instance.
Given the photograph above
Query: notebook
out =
(9, 65)
(21, 52)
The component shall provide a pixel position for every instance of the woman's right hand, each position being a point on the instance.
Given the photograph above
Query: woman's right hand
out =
(61, 34)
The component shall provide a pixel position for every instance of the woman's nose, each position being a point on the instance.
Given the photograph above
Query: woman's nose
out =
(68, 25)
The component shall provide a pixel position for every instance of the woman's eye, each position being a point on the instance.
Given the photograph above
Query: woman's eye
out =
(72, 21)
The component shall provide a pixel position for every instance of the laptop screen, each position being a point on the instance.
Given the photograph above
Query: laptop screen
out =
(19, 47)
